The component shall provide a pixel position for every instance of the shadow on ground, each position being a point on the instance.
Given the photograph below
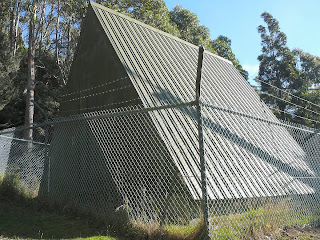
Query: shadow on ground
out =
(21, 222)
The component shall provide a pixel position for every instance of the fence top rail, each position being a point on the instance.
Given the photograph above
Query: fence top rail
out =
(282, 124)
(132, 111)
(23, 140)
(104, 115)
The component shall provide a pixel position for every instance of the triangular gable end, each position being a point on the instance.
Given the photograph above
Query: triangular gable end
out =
(97, 78)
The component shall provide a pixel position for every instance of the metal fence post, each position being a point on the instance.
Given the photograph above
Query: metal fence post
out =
(204, 202)
(46, 139)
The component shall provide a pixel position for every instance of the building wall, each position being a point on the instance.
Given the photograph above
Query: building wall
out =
(97, 76)
(113, 161)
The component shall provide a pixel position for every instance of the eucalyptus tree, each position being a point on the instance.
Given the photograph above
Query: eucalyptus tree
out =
(308, 67)
(49, 30)
(33, 10)
(68, 17)
(152, 12)
(38, 39)
(277, 65)
(14, 25)
(189, 27)
(54, 27)
(222, 46)
(8, 62)
(306, 87)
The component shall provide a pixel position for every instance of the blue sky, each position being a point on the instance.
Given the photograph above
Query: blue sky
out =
(238, 20)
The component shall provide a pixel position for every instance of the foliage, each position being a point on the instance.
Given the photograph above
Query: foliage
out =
(56, 30)
(222, 47)
(38, 220)
(151, 12)
(306, 85)
(57, 25)
(277, 63)
(295, 72)
(8, 67)
(189, 27)
(12, 189)
(49, 89)
(259, 222)
(9, 64)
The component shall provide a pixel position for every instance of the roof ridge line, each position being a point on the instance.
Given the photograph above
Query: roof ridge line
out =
(156, 30)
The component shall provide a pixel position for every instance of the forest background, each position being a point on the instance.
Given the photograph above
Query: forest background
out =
(38, 40)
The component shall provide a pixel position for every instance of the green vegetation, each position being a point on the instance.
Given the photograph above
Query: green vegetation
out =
(183, 231)
(168, 232)
(28, 222)
(22, 222)
(256, 223)
(294, 71)
(12, 189)
(53, 28)
(24, 216)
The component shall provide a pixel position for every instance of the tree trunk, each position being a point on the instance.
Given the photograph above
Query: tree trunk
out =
(57, 32)
(16, 29)
(12, 25)
(41, 27)
(69, 41)
(31, 77)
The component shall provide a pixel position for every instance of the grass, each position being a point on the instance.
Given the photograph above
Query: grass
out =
(23, 216)
(168, 232)
(258, 222)
(22, 222)
(26, 222)
(183, 231)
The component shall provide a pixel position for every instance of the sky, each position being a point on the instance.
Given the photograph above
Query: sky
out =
(238, 20)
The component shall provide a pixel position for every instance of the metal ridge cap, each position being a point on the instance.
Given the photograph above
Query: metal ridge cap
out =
(156, 30)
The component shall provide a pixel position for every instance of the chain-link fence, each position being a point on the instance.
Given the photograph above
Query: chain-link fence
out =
(265, 174)
(260, 173)
(21, 159)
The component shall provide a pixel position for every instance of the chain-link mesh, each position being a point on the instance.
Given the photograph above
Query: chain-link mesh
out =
(261, 174)
(21, 158)
(265, 174)
(111, 159)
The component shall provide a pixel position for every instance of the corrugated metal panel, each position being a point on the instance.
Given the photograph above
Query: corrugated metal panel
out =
(245, 157)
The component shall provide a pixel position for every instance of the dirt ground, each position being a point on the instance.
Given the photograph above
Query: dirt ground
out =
(300, 233)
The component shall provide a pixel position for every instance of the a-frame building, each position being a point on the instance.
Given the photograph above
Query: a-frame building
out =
(122, 62)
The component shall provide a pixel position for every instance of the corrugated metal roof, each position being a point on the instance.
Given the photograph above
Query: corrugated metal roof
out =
(246, 157)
